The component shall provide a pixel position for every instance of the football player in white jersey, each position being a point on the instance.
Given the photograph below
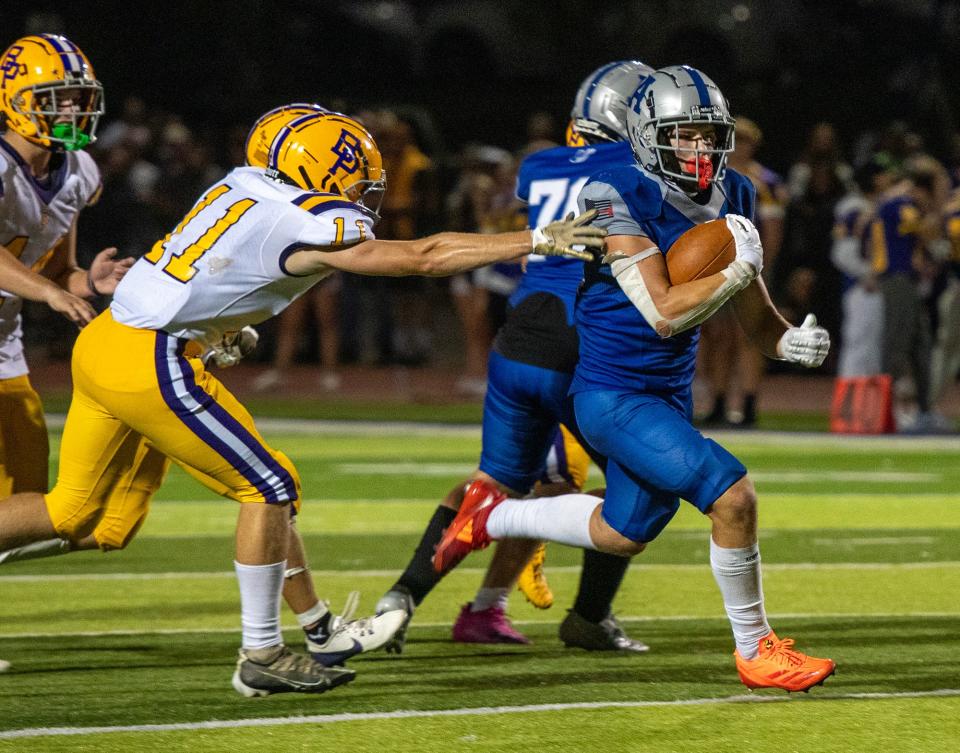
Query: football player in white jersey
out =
(330, 639)
(50, 103)
(251, 244)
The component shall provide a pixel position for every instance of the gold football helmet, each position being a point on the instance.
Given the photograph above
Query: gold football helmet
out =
(257, 149)
(48, 92)
(329, 153)
(573, 137)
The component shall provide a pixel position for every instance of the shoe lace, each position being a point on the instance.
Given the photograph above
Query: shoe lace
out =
(343, 624)
(782, 652)
(613, 627)
(288, 661)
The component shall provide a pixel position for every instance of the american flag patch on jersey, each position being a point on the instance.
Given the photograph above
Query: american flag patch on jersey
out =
(604, 208)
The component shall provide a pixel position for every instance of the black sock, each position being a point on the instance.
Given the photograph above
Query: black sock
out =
(719, 411)
(749, 409)
(321, 631)
(419, 578)
(599, 581)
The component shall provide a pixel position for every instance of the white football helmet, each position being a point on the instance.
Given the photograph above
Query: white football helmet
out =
(600, 107)
(671, 98)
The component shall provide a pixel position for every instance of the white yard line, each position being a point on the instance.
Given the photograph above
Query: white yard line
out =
(478, 711)
(772, 567)
(421, 625)
(401, 428)
(413, 468)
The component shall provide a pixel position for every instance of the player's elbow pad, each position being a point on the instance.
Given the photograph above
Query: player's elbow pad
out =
(736, 277)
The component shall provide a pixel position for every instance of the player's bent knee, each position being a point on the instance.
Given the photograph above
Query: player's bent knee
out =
(738, 503)
(117, 534)
(608, 539)
(72, 518)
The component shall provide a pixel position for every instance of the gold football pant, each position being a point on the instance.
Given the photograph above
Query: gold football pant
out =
(566, 460)
(24, 449)
(134, 388)
(24, 458)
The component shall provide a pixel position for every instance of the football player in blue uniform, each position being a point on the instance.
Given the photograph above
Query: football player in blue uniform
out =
(529, 376)
(632, 386)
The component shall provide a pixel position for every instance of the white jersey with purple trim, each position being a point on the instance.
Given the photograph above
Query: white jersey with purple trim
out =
(223, 267)
(34, 217)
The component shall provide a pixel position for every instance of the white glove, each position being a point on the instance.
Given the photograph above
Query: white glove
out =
(232, 348)
(747, 239)
(558, 238)
(807, 344)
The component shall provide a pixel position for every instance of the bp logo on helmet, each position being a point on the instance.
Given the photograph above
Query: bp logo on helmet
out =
(347, 150)
(11, 66)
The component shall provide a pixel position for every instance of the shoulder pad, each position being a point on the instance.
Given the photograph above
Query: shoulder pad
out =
(334, 221)
(89, 175)
(624, 197)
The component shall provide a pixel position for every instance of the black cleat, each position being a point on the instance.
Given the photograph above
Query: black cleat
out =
(606, 635)
(262, 671)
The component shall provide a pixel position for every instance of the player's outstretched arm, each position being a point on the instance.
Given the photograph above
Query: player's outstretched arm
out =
(450, 253)
(17, 279)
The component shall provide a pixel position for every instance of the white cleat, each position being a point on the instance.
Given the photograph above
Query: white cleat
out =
(351, 637)
(397, 600)
(4, 665)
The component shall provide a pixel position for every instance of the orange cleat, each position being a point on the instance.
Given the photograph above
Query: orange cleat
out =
(779, 666)
(468, 531)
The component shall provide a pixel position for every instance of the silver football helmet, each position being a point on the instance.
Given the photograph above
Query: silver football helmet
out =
(600, 107)
(671, 98)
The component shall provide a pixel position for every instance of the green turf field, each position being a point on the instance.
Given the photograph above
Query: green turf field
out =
(133, 651)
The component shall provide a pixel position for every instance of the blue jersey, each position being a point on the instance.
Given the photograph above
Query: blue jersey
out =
(539, 329)
(618, 349)
(549, 182)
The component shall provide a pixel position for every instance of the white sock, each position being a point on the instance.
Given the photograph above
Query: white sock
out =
(260, 590)
(737, 572)
(312, 615)
(489, 597)
(564, 519)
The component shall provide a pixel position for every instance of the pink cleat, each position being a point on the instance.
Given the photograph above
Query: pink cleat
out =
(468, 531)
(487, 626)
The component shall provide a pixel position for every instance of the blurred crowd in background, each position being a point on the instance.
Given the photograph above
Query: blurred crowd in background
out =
(456, 94)
(154, 166)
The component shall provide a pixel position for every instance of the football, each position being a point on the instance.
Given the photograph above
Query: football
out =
(702, 251)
